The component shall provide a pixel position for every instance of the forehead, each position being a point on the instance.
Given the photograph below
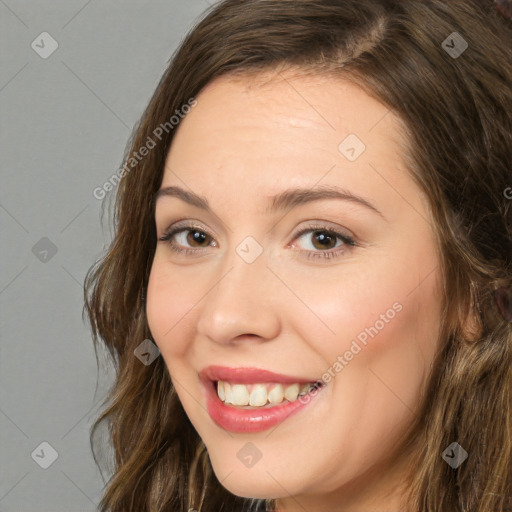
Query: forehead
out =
(293, 99)
(260, 134)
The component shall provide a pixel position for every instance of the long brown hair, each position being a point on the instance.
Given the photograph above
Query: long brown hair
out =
(456, 110)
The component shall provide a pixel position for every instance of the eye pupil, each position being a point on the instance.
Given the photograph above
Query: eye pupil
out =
(322, 237)
(197, 236)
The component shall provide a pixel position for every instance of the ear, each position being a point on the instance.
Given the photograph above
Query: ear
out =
(503, 302)
(504, 7)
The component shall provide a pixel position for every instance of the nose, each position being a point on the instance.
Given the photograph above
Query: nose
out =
(243, 304)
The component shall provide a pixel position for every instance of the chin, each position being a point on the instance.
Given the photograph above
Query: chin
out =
(251, 482)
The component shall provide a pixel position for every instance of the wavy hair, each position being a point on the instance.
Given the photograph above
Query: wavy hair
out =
(456, 110)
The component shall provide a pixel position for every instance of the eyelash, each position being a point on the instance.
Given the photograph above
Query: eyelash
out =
(347, 241)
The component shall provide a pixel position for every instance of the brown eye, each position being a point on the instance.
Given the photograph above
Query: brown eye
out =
(324, 243)
(196, 237)
(183, 239)
(324, 239)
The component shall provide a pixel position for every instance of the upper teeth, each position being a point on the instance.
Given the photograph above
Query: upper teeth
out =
(259, 394)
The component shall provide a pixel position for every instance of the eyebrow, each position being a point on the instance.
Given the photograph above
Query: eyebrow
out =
(285, 200)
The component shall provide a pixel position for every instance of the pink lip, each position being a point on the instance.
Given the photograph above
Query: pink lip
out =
(248, 375)
(235, 419)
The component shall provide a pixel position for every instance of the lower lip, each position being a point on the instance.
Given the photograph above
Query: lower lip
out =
(246, 420)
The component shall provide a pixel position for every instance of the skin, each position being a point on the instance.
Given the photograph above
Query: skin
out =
(248, 139)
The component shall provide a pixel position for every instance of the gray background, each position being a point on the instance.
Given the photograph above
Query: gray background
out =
(64, 124)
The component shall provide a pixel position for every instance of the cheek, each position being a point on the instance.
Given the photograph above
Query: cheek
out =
(170, 306)
(386, 348)
(392, 328)
(377, 366)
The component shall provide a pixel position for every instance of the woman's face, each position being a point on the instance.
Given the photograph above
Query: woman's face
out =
(337, 282)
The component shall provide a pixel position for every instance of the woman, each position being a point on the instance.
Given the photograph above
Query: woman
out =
(313, 228)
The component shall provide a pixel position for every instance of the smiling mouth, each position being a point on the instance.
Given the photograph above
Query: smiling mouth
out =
(251, 400)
